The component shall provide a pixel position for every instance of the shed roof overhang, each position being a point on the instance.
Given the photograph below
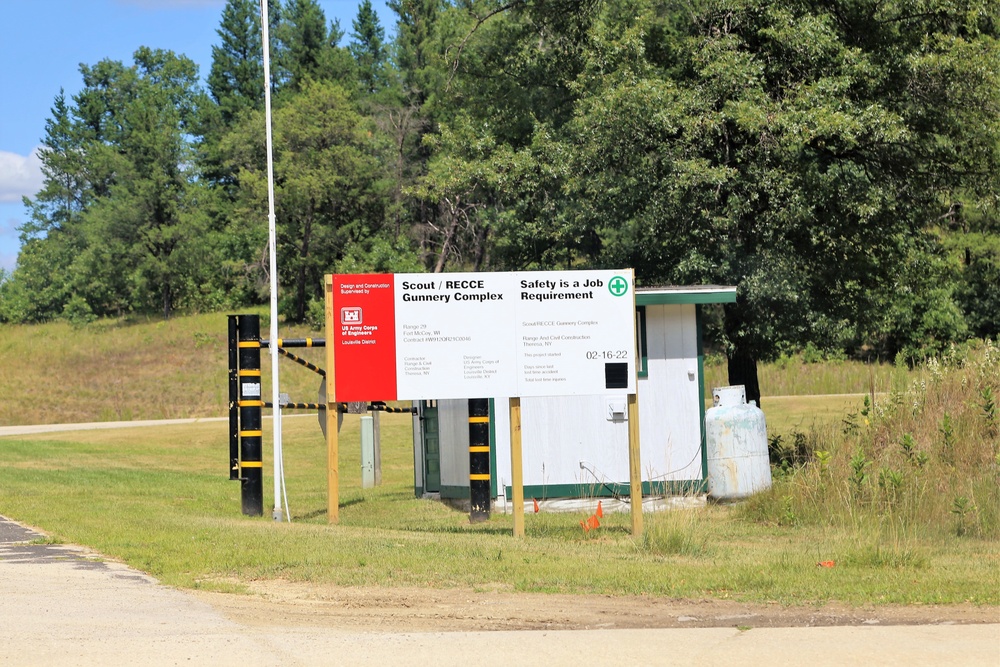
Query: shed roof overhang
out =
(651, 296)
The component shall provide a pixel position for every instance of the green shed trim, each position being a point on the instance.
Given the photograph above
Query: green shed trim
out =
(608, 490)
(493, 447)
(640, 329)
(452, 491)
(652, 296)
(701, 393)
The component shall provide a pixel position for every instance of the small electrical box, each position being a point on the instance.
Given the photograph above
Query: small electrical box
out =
(617, 411)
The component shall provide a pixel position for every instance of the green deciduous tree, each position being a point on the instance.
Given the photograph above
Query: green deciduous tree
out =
(796, 150)
(330, 191)
(117, 226)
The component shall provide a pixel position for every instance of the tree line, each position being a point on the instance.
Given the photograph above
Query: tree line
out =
(837, 160)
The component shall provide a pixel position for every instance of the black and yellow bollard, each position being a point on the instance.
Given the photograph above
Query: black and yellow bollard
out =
(250, 404)
(479, 459)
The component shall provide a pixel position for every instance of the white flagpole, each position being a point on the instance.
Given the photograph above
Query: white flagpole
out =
(273, 258)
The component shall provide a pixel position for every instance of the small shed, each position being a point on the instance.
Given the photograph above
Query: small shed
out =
(577, 446)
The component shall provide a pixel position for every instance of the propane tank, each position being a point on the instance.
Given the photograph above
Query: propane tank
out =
(736, 441)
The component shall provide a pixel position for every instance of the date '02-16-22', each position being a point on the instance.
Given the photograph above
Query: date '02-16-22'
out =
(607, 354)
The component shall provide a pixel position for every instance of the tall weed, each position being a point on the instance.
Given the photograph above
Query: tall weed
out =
(924, 458)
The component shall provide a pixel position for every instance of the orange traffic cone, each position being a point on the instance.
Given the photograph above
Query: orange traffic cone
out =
(536, 505)
(593, 522)
(586, 528)
(600, 510)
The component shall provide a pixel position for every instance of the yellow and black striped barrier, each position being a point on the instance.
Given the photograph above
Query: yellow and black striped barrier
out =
(479, 459)
(297, 406)
(246, 404)
(341, 407)
(302, 362)
(382, 407)
(296, 342)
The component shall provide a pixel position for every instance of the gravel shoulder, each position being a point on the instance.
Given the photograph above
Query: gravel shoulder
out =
(294, 604)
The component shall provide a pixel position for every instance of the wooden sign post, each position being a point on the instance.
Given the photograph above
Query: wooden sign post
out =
(634, 466)
(516, 471)
(332, 438)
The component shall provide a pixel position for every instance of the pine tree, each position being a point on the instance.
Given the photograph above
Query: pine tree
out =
(305, 42)
(368, 49)
(236, 80)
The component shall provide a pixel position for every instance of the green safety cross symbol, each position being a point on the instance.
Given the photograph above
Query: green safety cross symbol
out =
(618, 286)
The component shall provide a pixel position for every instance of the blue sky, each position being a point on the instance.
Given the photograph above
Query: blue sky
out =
(43, 42)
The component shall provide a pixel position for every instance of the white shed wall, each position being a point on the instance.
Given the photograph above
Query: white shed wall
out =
(669, 401)
(558, 433)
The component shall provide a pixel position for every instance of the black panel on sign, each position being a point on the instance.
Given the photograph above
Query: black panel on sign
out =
(616, 375)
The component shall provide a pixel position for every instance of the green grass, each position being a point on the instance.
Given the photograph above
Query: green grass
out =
(793, 376)
(906, 521)
(160, 500)
(150, 369)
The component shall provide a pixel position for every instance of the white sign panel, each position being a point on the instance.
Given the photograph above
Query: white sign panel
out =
(544, 333)
(453, 335)
(575, 333)
(474, 335)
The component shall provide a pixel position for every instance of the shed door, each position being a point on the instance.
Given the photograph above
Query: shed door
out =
(432, 447)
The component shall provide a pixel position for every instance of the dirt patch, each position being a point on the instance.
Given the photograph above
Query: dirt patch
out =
(282, 603)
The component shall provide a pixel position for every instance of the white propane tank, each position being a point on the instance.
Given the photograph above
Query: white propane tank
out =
(736, 439)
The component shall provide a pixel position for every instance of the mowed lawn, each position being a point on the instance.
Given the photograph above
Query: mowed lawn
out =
(160, 499)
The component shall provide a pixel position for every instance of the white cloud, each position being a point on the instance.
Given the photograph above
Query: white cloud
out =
(20, 175)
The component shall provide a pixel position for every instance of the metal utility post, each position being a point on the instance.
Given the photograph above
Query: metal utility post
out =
(367, 451)
(377, 426)
(273, 263)
(479, 459)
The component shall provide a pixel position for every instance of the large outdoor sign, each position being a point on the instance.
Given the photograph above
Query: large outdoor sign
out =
(461, 335)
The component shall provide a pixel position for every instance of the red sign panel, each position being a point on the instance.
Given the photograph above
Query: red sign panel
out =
(364, 337)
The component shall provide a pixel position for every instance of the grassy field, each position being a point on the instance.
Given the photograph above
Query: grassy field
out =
(151, 369)
(160, 500)
(902, 494)
(793, 376)
(114, 371)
